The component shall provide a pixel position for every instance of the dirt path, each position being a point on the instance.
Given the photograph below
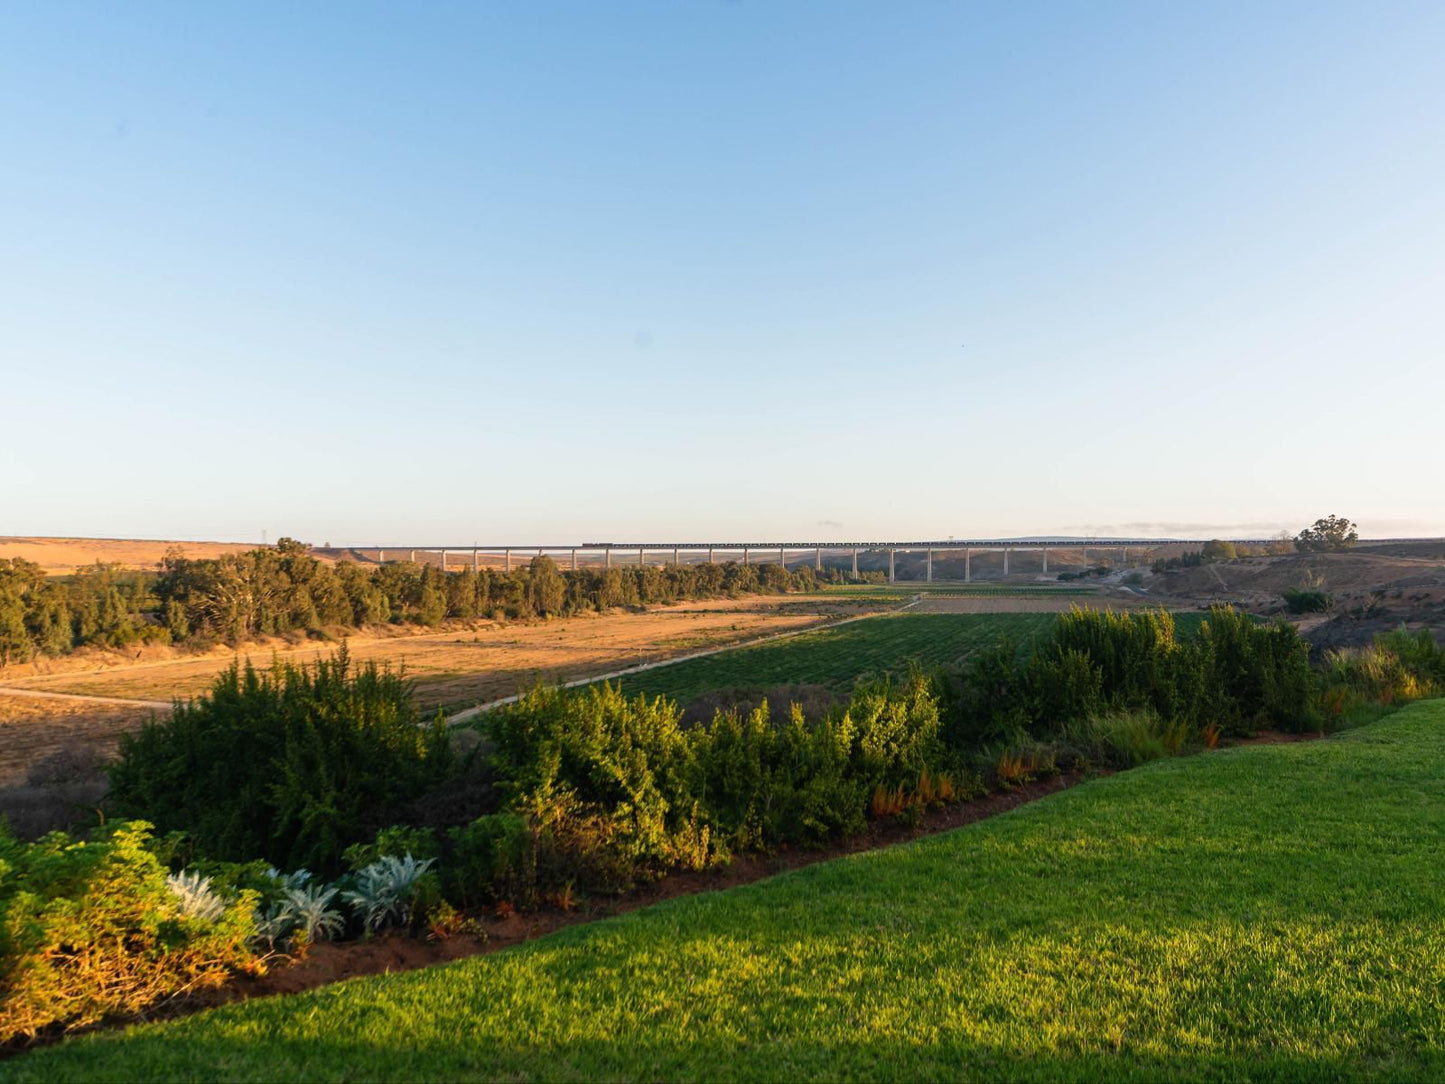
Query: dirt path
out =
(470, 713)
(116, 701)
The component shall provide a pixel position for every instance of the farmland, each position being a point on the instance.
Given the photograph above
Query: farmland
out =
(835, 658)
(452, 670)
(1265, 912)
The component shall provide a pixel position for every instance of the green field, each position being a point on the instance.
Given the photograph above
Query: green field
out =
(1265, 912)
(902, 591)
(835, 657)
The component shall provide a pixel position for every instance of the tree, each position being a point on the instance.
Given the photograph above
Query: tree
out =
(1216, 550)
(1327, 534)
(548, 587)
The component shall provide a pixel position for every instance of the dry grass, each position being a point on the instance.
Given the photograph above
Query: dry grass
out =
(32, 730)
(62, 556)
(458, 669)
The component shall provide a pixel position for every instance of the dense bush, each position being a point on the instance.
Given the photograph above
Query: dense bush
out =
(1308, 600)
(95, 929)
(1397, 667)
(1236, 675)
(291, 765)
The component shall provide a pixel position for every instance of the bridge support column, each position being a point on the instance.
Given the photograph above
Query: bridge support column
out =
(709, 555)
(1046, 558)
(674, 556)
(574, 560)
(607, 558)
(444, 560)
(507, 556)
(782, 558)
(855, 563)
(818, 559)
(641, 555)
(892, 575)
(1126, 557)
(930, 566)
(1005, 560)
(745, 555)
(411, 556)
(476, 563)
(381, 557)
(967, 566)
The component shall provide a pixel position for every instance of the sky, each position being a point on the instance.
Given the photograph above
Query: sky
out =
(560, 272)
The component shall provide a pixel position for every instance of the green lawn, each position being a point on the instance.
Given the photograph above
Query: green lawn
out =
(1266, 912)
(836, 656)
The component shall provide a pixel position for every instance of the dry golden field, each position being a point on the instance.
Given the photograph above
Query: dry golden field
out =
(62, 556)
(32, 729)
(460, 668)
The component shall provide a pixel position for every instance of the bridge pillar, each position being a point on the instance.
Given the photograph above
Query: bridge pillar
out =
(444, 560)
(709, 555)
(1126, 557)
(967, 565)
(508, 558)
(475, 562)
(782, 559)
(1005, 560)
(855, 562)
(607, 558)
(1046, 558)
(381, 557)
(674, 556)
(818, 559)
(411, 556)
(930, 566)
(745, 555)
(892, 576)
(574, 560)
(641, 555)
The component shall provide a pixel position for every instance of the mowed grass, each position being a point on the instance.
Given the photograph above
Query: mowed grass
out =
(835, 657)
(1265, 912)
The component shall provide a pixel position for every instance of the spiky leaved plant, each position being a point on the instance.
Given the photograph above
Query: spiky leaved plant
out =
(309, 907)
(196, 897)
(384, 890)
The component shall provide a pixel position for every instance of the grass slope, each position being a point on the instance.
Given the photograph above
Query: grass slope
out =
(835, 657)
(1266, 912)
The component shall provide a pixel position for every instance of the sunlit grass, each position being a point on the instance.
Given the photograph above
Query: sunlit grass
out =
(1266, 912)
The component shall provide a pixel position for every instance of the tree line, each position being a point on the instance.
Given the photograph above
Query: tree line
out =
(279, 589)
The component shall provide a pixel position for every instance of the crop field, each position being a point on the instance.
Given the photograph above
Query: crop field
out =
(903, 591)
(1263, 912)
(836, 657)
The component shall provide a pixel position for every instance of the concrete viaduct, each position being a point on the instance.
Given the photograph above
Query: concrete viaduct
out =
(763, 552)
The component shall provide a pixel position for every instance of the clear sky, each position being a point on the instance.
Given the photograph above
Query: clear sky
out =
(531, 271)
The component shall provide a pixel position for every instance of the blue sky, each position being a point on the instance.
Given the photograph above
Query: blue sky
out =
(551, 272)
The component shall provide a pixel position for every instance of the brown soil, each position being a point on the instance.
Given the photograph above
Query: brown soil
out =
(1375, 590)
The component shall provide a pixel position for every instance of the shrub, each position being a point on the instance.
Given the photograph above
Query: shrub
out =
(1302, 600)
(291, 765)
(1126, 739)
(93, 929)
(383, 893)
